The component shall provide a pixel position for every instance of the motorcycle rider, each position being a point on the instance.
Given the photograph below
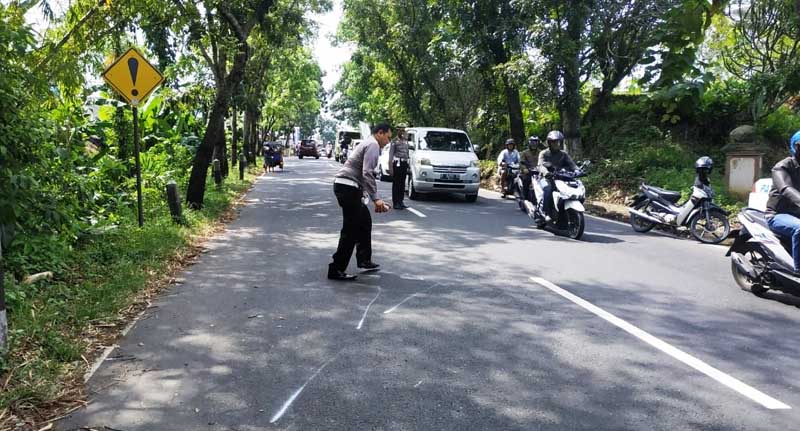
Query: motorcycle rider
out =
(509, 156)
(551, 160)
(528, 163)
(783, 206)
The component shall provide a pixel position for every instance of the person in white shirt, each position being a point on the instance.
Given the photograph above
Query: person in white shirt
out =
(509, 156)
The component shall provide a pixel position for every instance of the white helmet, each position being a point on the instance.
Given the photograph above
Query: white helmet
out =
(555, 135)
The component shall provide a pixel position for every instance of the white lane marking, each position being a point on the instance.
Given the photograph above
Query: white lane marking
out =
(412, 210)
(417, 385)
(727, 380)
(277, 416)
(408, 298)
(361, 323)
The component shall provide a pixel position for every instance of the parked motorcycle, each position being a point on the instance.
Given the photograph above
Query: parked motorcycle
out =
(707, 222)
(508, 185)
(568, 196)
(761, 260)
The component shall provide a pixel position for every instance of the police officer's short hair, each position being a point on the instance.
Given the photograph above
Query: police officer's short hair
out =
(381, 127)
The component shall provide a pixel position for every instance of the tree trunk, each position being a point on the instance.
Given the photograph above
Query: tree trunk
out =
(571, 100)
(513, 103)
(234, 138)
(215, 130)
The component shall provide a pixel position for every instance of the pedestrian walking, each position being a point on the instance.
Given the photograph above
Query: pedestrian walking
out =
(398, 167)
(356, 179)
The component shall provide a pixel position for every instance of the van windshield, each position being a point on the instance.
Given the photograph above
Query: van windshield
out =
(448, 141)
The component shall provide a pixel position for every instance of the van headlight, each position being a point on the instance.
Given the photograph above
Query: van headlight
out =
(424, 162)
(475, 164)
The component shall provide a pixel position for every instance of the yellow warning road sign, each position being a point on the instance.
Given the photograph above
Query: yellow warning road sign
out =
(133, 77)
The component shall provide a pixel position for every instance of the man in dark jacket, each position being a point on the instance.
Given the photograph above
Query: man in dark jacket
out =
(551, 160)
(783, 206)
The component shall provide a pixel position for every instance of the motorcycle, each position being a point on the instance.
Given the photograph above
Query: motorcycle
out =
(521, 194)
(707, 222)
(568, 196)
(511, 173)
(760, 259)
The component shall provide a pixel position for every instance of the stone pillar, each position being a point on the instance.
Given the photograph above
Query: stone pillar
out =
(744, 157)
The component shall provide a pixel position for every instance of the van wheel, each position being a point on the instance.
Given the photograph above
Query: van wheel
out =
(412, 194)
(300, 157)
(471, 198)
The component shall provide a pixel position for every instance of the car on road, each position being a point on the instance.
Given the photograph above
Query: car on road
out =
(308, 148)
(441, 161)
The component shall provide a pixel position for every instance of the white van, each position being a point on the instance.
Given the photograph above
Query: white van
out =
(442, 161)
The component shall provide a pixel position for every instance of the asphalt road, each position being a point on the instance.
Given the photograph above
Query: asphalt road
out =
(620, 331)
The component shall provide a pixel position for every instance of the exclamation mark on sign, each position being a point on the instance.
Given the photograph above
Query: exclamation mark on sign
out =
(133, 66)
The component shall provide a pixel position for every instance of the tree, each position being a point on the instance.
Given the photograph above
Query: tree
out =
(766, 38)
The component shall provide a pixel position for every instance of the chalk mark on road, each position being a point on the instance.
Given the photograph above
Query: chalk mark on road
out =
(408, 298)
(727, 380)
(419, 214)
(277, 416)
(361, 323)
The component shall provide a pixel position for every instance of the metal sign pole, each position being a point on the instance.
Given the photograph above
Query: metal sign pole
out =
(138, 164)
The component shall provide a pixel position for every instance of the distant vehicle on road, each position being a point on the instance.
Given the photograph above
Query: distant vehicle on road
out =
(344, 138)
(442, 160)
(308, 148)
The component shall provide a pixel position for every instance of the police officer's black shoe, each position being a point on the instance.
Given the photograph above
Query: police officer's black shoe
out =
(335, 274)
(369, 265)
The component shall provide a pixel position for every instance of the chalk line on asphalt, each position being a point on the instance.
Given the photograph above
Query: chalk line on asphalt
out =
(721, 377)
(361, 323)
(408, 298)
(277, 416)
(412, 210)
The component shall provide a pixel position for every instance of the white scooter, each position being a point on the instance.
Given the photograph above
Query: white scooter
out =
(568, 196)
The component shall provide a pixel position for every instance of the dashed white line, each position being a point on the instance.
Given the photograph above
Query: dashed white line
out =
(419, 214)
(727, 380)
(361, 323)
(277, 416)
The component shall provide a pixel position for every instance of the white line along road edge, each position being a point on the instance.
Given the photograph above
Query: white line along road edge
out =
(417, 212)
(727, 380)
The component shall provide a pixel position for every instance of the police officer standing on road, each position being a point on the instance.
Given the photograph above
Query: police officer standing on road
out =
(398, 166)
(351, 183)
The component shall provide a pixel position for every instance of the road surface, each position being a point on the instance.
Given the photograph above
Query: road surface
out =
(478, 321)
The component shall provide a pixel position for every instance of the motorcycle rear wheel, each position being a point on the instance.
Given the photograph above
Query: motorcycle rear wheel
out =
(720, 227)
(743, 281)
(641, 225)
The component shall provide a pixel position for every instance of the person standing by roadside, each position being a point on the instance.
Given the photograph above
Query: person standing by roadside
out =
(398, 166)
(351, 183)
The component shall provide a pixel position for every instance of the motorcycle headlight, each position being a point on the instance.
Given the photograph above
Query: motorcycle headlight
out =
(424, 162)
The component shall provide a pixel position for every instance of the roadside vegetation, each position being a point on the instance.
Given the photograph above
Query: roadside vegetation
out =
(76, 265)
(642, 88)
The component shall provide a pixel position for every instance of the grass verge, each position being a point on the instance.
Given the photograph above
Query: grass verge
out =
(57, 327)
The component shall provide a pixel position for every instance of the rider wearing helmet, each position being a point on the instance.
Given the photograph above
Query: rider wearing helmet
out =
(509, 156)
(703, 167)
(551, 160)
(783, 206)
(528, 163)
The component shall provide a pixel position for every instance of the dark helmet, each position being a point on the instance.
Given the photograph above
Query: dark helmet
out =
(555, 135)
(510, 141)
(704, 164)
